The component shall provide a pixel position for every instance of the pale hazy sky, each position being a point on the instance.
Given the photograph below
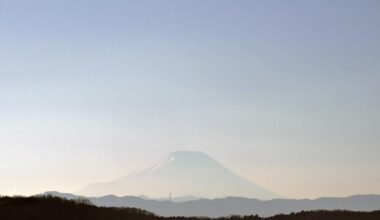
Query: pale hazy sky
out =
(285, 93)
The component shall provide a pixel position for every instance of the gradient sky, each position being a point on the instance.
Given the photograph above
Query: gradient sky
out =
(285, 93)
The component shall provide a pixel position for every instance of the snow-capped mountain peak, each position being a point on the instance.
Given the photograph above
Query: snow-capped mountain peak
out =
(182, 173)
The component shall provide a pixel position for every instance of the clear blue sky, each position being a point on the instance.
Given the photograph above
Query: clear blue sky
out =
(285, 93)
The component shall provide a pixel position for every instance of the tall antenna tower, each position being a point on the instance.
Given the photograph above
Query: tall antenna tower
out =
(170, 196)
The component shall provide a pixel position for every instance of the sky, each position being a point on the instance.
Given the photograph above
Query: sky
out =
(284, 93)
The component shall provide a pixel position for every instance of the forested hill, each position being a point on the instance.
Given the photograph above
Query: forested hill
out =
(48, 207)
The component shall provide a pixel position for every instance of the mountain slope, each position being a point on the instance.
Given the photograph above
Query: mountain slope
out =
(236, 206)
(182, 173)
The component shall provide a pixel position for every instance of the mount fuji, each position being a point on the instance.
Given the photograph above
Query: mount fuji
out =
(182, 174)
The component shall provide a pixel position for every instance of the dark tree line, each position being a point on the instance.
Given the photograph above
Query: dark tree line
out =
(55, 208)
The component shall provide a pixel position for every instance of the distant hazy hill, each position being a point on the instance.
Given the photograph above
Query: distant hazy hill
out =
(236, 206)
(48, 208)
(182, 173)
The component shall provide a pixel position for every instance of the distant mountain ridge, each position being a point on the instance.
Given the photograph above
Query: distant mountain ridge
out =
(48, 208)
(181, 174)
(234, 205)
